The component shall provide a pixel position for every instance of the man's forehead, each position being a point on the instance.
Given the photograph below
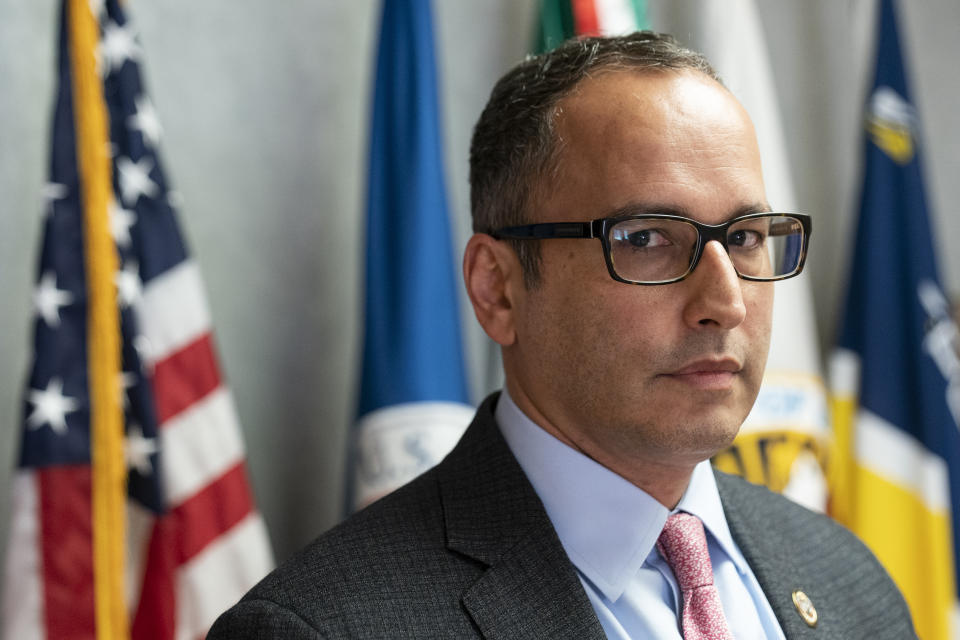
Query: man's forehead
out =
(641, 94)
(655, 140)
(665, 208)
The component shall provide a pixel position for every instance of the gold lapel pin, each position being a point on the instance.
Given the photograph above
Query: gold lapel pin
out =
(805, 607)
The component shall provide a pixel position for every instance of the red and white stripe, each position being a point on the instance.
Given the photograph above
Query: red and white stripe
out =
(211, 546)
(605, 17)
(48, 589)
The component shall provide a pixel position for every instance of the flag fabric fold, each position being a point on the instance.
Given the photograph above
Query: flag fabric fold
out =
(413, 392)
(895, 372)
(132, 514)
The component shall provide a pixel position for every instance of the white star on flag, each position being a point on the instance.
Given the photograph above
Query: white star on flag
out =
(145, 120)
(145, 351)
(138, 449)
(120, 222)
(116, 47)
(47, 299)
(128, 284)
(127, 381)
(97, 7)
(50, 193)
(135, 179)
(51, 407)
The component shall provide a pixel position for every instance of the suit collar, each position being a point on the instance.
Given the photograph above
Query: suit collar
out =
(492, 514)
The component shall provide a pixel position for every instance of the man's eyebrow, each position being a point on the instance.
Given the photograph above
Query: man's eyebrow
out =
(644, 209)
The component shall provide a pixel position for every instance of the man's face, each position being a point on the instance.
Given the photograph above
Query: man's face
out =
(628, 373)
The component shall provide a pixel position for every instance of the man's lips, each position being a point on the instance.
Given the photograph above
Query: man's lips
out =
(708, 373)
(709, 365)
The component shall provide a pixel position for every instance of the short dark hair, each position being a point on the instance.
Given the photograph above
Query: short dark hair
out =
(514, 145)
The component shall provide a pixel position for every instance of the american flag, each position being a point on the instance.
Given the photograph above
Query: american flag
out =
(183, 539)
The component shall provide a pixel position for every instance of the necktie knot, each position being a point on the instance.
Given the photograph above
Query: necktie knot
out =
(683, 544)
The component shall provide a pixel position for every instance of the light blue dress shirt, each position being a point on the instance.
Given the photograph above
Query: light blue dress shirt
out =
(609, 529)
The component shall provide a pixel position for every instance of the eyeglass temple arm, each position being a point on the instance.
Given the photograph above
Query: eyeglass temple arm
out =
(548, 230)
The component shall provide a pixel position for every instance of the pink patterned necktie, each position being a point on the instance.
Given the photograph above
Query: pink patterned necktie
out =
(683, 545)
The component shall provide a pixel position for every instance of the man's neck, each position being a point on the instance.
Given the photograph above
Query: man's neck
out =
(663, 481)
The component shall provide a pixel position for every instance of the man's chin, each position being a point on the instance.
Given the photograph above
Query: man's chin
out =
(680, 443)
(698, 439)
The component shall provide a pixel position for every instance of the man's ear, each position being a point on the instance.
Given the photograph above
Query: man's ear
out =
(492, 275)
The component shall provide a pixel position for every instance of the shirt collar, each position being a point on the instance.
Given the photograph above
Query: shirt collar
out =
(607, 525)
(702, 499)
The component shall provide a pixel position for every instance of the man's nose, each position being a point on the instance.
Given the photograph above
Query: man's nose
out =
(715, 293)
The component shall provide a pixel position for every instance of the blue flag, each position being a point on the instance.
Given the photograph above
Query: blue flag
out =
(897, 371)
(413, 391)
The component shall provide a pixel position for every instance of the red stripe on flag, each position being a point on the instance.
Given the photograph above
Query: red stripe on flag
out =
(585, 18)
(177, 538)
(184, 377)
(212, 512)
(66, 547)
(156, 616)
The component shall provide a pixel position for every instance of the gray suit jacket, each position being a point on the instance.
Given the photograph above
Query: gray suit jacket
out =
(466, 550)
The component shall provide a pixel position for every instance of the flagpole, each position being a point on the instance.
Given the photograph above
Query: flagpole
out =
(106, 414)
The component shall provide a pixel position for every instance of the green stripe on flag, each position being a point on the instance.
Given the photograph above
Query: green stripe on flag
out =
(640, 11)
(555, 25)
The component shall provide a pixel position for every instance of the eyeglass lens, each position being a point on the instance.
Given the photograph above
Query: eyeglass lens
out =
(656, 250)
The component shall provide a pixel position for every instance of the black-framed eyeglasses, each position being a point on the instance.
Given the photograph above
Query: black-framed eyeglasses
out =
(660, 249)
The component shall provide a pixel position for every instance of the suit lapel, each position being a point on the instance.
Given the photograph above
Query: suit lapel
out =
(524, 595)
(775, 570)
(492, 514)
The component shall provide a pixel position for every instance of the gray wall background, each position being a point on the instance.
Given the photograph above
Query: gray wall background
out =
(265, 111)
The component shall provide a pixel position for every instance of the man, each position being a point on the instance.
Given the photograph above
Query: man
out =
(580, 501)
